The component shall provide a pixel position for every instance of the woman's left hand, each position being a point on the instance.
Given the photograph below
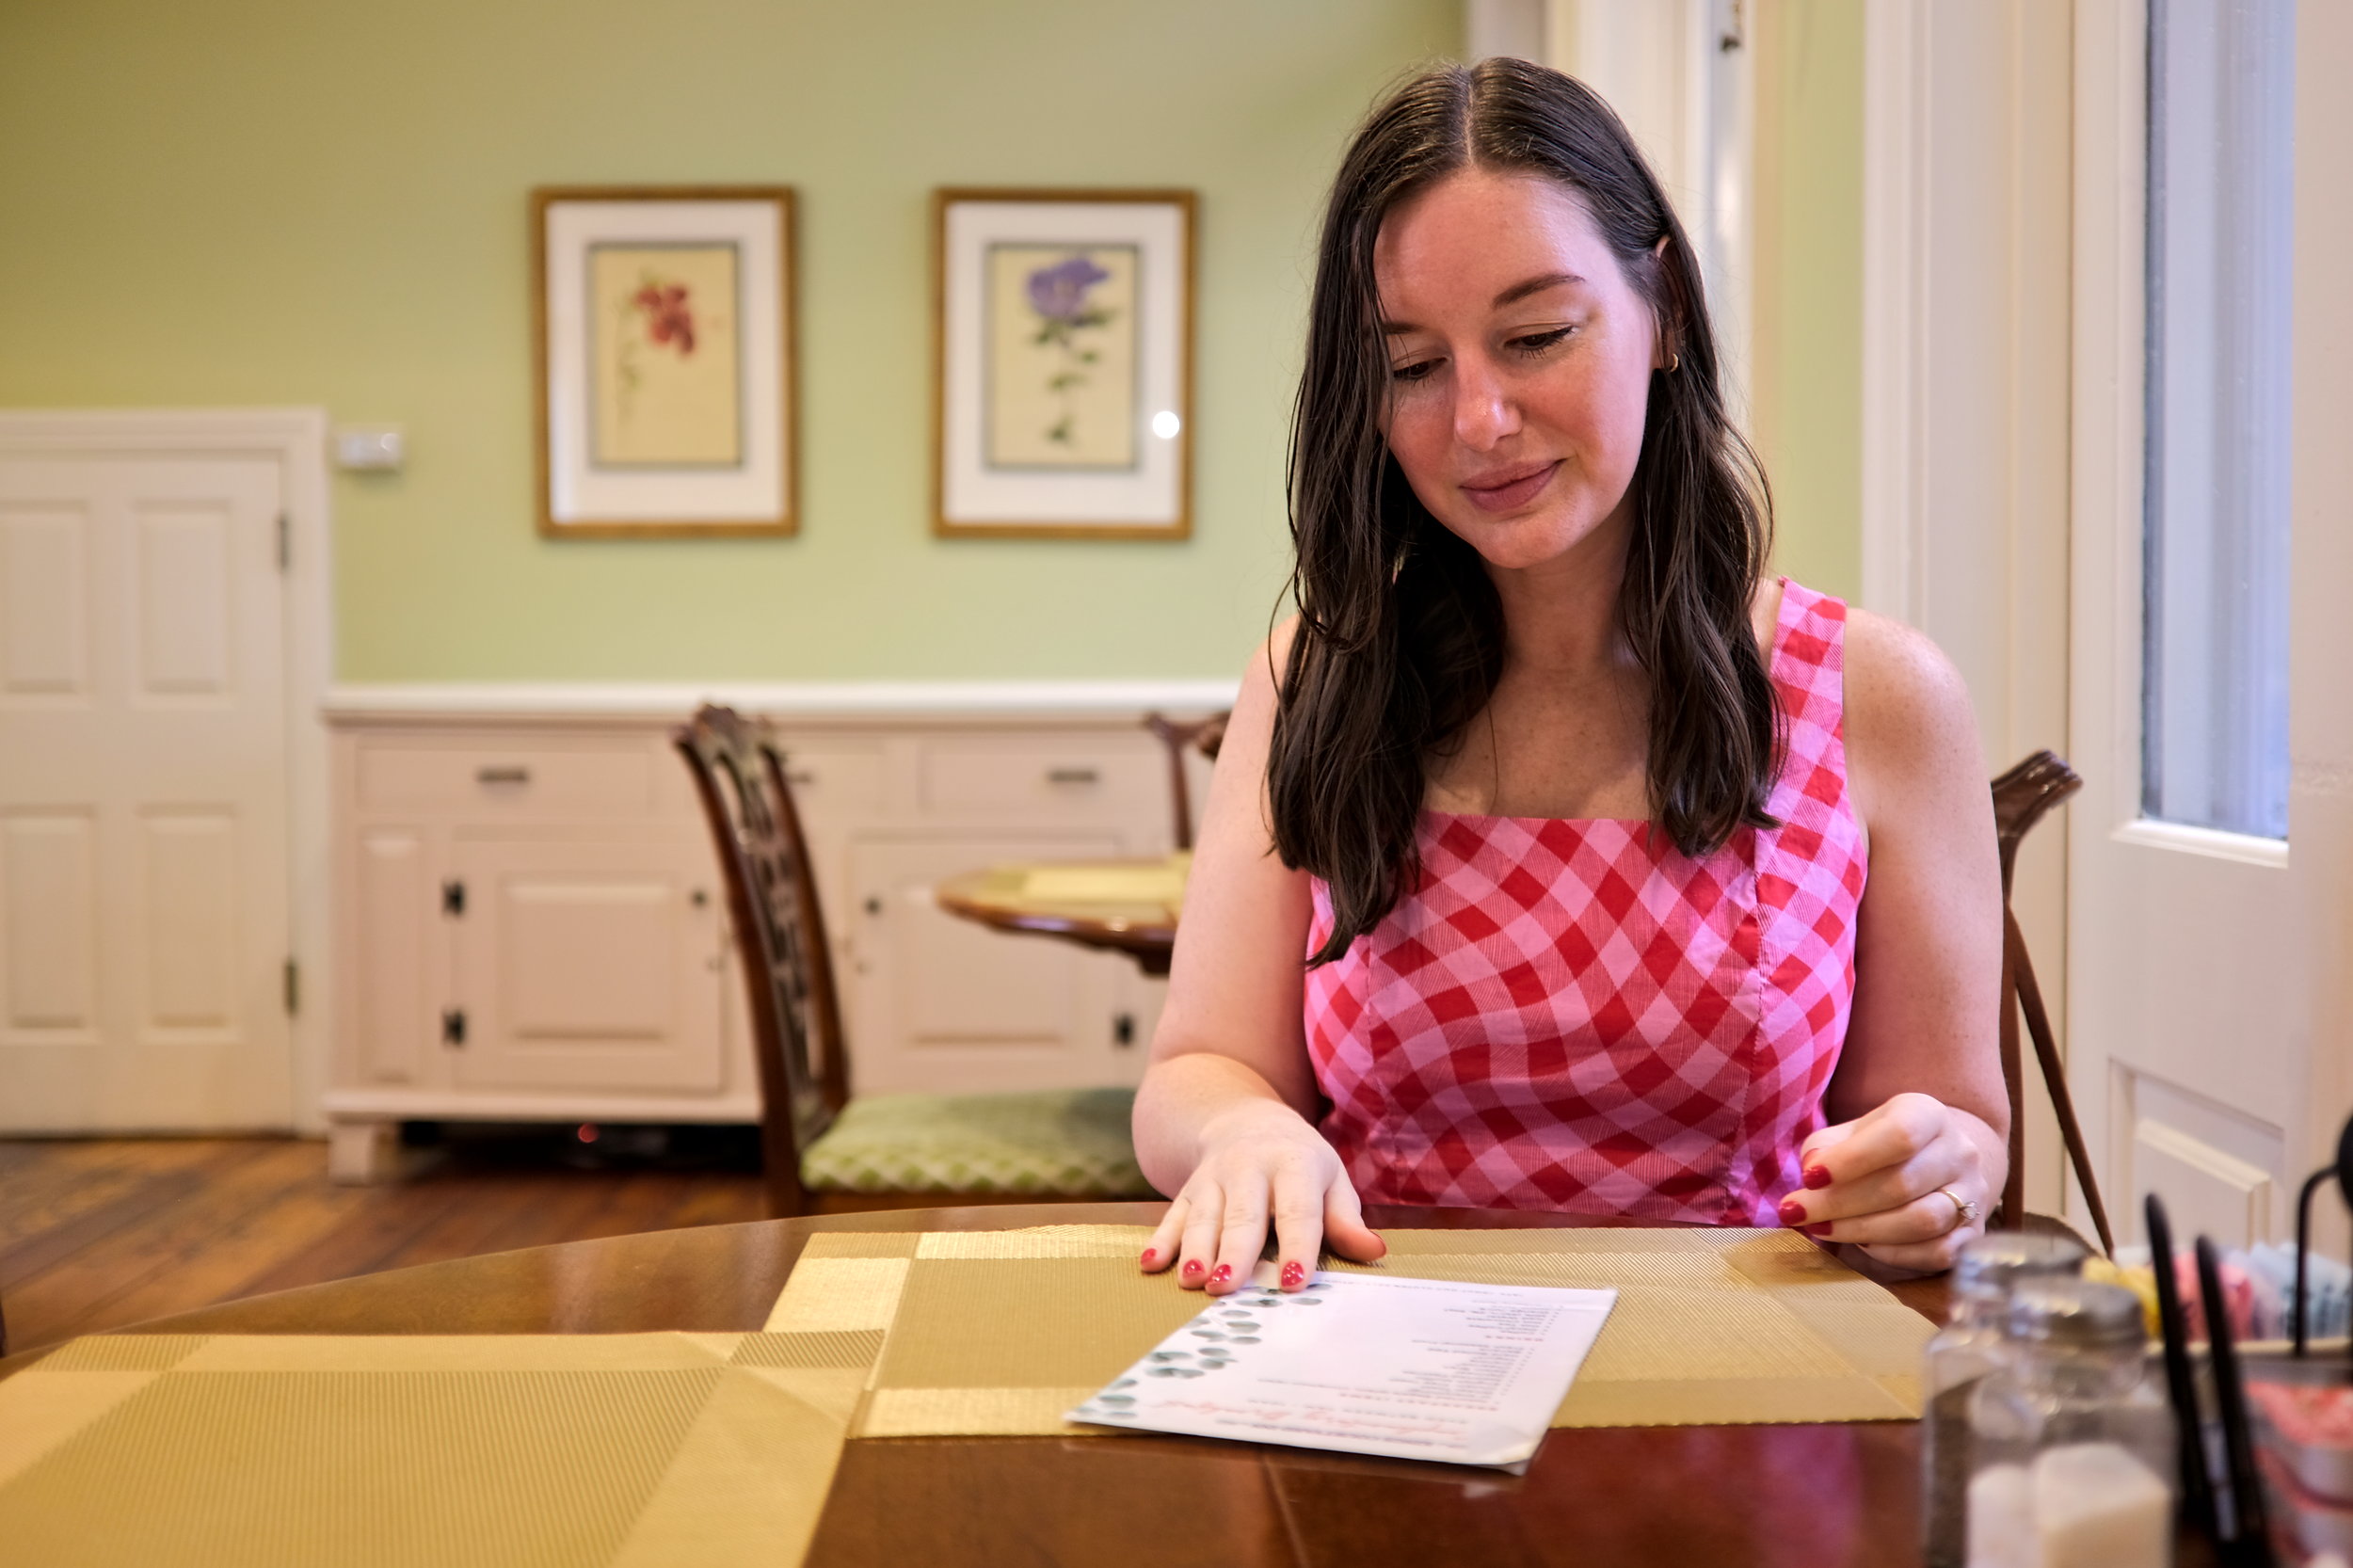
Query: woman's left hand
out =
(1897, 1181)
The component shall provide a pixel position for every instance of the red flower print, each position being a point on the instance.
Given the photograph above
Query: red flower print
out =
(668, 319)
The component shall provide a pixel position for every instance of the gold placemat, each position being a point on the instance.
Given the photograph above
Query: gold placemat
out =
(556, 1450)
(999, 1331)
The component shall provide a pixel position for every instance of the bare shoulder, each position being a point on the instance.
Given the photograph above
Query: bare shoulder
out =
(1908, 728)
(1261, 681)
(1266, 665)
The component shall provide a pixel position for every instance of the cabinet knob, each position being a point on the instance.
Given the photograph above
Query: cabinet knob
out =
(699, 897)
(1072, 776)
(874, 905)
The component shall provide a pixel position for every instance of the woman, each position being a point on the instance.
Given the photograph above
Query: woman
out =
(1557, 857)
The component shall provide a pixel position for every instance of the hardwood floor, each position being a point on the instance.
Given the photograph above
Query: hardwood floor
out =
(98, 1233)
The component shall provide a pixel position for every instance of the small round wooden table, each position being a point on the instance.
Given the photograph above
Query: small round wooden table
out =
(1000, 896)
(1807, 1496)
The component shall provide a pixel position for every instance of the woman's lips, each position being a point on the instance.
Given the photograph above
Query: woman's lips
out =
(1516, 491)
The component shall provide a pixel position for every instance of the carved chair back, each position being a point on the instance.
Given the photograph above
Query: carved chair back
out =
(780, 938)
(1204, 736)
(2022, 797)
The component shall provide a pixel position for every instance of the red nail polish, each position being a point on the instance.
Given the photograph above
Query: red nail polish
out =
(1818, 1177)
(1792, 1213)
(1294, 1275)
(1149, 1254)
(1224, 1273)
(1820, 1231)
(1193, 1268)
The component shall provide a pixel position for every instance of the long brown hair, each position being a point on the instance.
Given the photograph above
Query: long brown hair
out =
(1399, 641)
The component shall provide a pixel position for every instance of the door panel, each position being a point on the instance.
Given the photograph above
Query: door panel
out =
(48, 908)
(941, 1005)
(588, 965)
(45, 610)
(189, 861)
(2215, 1168)
(143, 786)
(184, 618)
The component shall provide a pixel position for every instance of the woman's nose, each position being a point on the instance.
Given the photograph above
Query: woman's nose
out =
(1484, 411)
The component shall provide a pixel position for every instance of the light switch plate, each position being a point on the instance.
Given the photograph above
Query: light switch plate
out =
(376, 447)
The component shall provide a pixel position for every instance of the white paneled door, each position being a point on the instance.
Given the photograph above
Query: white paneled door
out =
(144, 926)
(2212, 856)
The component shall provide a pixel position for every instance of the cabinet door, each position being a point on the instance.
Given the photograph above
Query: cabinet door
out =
(588, 965)
(942, 1004)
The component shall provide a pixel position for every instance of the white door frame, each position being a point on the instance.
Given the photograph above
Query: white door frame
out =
(1965, 395)
(296, 440)
(1682, 74)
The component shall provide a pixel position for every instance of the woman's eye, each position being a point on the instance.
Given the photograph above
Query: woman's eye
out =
(1536, 342)
(1416, 372)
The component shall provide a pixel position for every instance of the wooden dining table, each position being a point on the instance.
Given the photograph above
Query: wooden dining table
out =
(1022, 896)
(1803, 1497)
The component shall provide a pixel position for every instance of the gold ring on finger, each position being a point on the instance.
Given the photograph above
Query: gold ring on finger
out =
(1965, 1213)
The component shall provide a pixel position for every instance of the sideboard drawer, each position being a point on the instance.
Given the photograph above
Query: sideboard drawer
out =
(829, 782)
(1079, 780)
(518, 780)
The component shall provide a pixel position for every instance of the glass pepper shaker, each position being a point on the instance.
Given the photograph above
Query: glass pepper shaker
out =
(1962, 1351)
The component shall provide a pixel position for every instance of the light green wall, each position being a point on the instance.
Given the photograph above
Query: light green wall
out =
(1808, 283)
(307, 201)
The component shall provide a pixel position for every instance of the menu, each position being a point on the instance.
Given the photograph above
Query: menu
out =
(1369, 1364)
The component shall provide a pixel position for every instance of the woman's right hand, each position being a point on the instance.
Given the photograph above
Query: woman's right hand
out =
(1259, 1159)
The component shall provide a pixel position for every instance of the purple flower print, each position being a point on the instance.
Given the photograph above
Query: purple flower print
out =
(1059, 293)
(1059, 296)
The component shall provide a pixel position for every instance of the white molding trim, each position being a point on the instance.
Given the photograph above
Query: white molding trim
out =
(1896, 197)
(295, 439)
(838, 701)
(2214, 842)
(2108, 423)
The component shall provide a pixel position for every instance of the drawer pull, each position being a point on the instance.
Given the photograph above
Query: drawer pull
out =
(502, 775)
(800, 778)
(1072, 776)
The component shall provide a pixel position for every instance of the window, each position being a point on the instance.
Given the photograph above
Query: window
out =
(2215, 681)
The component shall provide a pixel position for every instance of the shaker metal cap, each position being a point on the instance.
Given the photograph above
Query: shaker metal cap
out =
(1999, 1259)
(2076, 1315)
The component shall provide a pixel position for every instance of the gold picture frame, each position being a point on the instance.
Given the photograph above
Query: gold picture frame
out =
(663, 361)
(1062, 362)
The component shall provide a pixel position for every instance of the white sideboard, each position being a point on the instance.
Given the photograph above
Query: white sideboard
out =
(530, 923)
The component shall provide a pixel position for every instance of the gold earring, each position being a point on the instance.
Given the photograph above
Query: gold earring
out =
(1675, 363)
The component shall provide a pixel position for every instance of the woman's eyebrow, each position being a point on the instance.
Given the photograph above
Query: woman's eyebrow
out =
(1511, 295)
(1518, 292)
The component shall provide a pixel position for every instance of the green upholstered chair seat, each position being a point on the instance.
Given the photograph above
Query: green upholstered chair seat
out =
(1056, 1143)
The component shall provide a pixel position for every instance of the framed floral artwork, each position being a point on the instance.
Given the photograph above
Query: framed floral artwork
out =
(1064, 379)
(665, 359)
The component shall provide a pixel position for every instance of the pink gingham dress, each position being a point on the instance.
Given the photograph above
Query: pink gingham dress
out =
(1573, 1016)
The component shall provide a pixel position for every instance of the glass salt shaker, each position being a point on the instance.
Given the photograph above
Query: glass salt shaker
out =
(2071, 1446)
(1962, 1351)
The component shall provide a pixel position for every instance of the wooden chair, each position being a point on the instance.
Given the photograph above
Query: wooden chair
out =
(817, 1141)
(1205, 737)
(2022, 797)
